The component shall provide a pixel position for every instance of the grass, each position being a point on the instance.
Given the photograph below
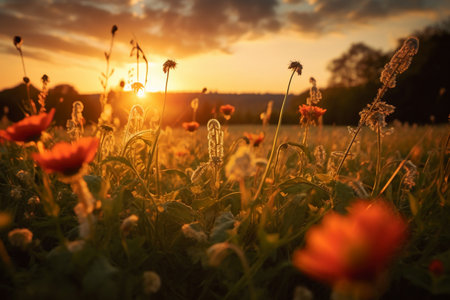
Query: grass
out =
(300, 191)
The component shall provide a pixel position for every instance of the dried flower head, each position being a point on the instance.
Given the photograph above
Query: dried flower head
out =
(20, 237)
(204, 90)
(352, 250)
(169, 64)
(68, 159)
(137, 87)
(400, 62)
(314, 93)
(45, 79)
(191, 126)
(29, 129)
(151, 282)
(17, 40)
(296, 67)
(310, 114)
(409, 180)
(377, 117)
(114, 29)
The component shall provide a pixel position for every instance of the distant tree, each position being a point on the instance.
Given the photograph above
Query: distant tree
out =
(361, 64)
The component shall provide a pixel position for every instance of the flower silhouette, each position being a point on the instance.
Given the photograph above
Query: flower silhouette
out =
(227, 110)
(254, 139)
(29, 129)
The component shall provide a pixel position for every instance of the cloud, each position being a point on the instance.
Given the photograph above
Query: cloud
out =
(179, 28)
(333, 15)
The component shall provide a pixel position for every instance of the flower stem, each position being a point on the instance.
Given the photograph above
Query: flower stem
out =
(275, 139)
(305, 135)
(378, 170)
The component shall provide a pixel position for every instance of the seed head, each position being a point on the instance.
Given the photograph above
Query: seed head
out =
(169, 64)
(400, 62)
(114, 29)
(296, 66)
(18, 42)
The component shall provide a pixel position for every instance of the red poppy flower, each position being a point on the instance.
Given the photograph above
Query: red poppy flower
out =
(310, 113)
(68, 159)
(29, 129)
(227, 110)
(190, 126)
(255, 139)
(354, 249)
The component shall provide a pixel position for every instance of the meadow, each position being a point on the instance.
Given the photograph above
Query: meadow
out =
(218, 211)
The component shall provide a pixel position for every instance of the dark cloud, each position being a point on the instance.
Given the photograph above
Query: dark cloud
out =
(179, 28)
(332, 15)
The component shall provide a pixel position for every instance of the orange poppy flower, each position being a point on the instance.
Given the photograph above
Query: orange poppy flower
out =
(352, 250)
(310, 113)
(68, 159)
(254, 139)
(29, 129)
(190, 126)
(227, 110)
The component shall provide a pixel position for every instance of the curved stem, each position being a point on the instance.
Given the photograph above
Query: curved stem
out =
(378, 170)
(275, 139)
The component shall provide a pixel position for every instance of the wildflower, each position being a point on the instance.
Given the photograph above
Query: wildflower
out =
(74, 125)
(265, 116)
(114, 29)
(296, 66)
(68, 159)
(227, 110)
(314, 93)
(169, 64)
(310, 114)
(320, 155)
(351, 252)
(377, 116)
(151, 282)
(204, 90)
(191, 126)
(215, 141)
(28, 129)
(128, 224)
(17, 40)
(20, 237)
(411, 174)
(24, 176)
(33, 200)
(436, 267)
(137, 87)
(43, 93)
(400, 62)
(16, 193)
(254, 139)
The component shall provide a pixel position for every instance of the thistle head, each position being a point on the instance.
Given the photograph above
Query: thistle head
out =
(169, 64)
(296, 67)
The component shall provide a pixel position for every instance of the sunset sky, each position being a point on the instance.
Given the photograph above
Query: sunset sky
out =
(224, 45)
